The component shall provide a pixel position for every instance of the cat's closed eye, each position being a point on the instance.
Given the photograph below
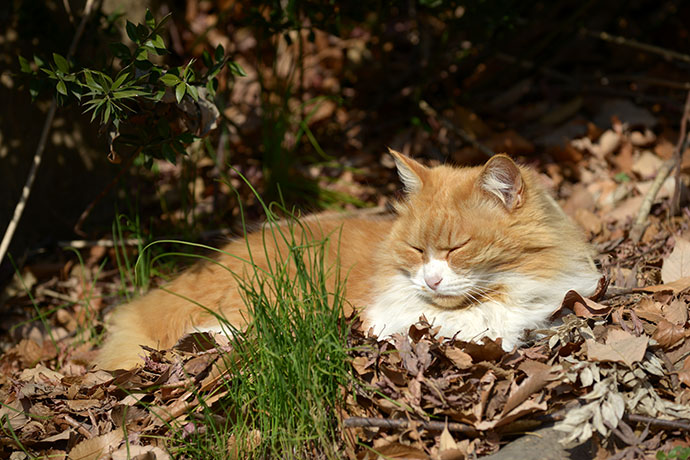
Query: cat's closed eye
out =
(419, 250)
(456, 247)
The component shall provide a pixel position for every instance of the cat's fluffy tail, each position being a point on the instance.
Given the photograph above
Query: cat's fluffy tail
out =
(126, 333)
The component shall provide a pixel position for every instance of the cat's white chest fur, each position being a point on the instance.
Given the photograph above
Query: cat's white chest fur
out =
(530, 302)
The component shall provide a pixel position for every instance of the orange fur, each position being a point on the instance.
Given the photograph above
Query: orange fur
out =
(494, 225)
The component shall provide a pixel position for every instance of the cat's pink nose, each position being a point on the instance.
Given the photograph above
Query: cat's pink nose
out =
(433, 280)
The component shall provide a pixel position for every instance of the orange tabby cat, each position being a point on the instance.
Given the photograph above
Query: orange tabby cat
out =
(481, 252)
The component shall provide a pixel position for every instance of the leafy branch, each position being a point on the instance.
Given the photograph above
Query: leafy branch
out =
(139, 103)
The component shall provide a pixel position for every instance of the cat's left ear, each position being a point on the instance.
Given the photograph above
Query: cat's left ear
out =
(501, 177)
(411, 172)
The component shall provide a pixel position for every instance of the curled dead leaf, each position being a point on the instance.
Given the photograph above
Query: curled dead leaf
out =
(584, 307)
(668, 334)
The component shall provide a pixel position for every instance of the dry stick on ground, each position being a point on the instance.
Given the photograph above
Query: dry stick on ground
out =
(464, 135)
(354, 422)
(373, 422)
(664, 171)
(26, 191)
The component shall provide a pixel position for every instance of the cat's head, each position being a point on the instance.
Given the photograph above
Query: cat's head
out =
(461, 232)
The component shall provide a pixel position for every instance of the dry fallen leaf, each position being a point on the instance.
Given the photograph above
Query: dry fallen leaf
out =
(676, 312)
(448, 449)
(668, 334)
(540, 375)
(98, 447)
(674, 286)
(583, 307)
(684, 374)
(620, 346)
(677, 264)
(460, 359)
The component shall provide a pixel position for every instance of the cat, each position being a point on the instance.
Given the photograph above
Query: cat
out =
(479, 251)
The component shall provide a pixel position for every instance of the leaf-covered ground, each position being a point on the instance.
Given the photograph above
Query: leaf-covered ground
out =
(616, 368)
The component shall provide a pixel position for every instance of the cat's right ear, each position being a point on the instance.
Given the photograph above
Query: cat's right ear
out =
(411, 172)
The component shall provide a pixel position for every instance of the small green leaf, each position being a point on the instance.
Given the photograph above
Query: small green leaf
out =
(132, 32)
(120, 51)
(169, 153)
(61, 88)
(120, 80)
(49, 72)
(125, 94)
(24, 65)
(142, 31)
(61, 63)
(236, 69)
(180, 89)
(206, 59)
(193, 92)
(141, 54)
(220, 53)
(158, 95)
(211, 87)
(158, 42)
(106, 115)
(150, 20)
(89, 80)
(38, 61)
(170, 79)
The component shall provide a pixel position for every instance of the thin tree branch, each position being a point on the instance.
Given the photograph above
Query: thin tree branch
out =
(665, 53)
(678, 155)
(397, 424)
(664, 171)
(26, 191)
(641, 223)
(674, 424)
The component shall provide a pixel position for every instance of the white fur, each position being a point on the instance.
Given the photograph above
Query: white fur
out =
(499, 184)
(215, 328)
(404, 301)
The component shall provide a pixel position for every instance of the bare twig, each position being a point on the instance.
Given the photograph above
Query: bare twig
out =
(674, 424)
(464, 135)
(665, 53)
(397, 424)
(678, 155)
(641, 223)
(78, 426)
(26, 191)
(664, 171)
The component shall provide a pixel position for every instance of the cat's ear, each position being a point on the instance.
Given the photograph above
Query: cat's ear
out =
(411, 172)
(501, 177)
